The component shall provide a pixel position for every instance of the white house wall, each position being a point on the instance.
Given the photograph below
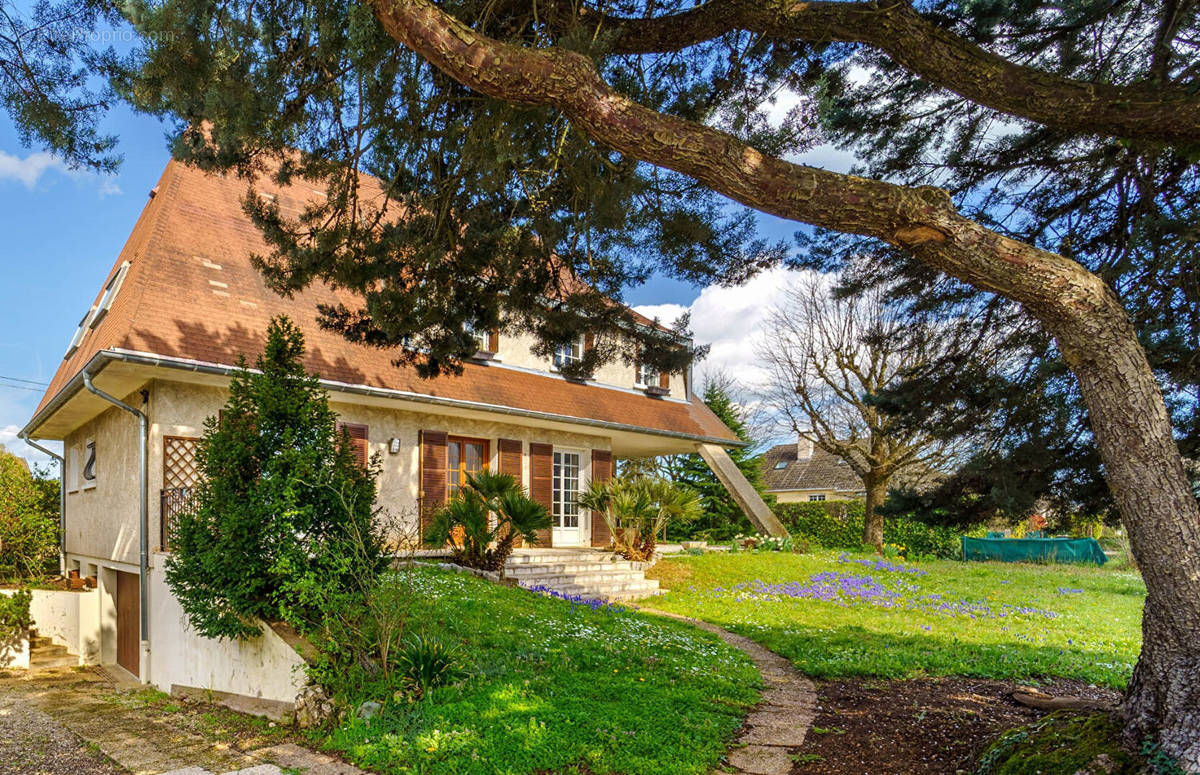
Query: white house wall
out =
(265, 667)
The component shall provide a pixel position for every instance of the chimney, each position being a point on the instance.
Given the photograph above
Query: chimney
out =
(804, 449)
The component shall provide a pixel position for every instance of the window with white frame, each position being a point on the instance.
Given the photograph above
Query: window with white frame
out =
(820, 497)
(110, 293)
(565, 499)
(88, 472)
(481, 339)
(647, 375)
(568, 353)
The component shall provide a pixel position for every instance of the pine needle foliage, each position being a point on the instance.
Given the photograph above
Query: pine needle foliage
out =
(281, 499)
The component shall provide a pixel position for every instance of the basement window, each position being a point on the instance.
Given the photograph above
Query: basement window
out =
(110, 293)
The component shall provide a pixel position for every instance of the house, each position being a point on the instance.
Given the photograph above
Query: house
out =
(801, 472)
(152, 358)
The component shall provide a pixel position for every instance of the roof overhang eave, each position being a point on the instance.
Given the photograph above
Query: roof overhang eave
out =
(102, 358)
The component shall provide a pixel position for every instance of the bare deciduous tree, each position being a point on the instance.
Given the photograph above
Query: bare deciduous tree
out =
(827, 357)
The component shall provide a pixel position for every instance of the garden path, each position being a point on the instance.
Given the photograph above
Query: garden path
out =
(75, 706)
(777, 726)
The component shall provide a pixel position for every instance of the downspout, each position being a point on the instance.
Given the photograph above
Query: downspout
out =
(62, 499)
(144, 531)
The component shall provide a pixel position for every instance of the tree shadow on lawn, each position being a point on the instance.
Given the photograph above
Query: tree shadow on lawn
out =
(858, 651)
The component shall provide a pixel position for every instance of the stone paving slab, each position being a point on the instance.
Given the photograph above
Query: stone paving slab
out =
(781, 720)
(148, 746)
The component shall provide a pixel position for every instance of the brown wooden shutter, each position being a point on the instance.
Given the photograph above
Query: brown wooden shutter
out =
(664, 380)
(601, 472)
(509, 458)
(541, 482)
(433, 476)
(358, 439)
(589, 341)
(494, 341)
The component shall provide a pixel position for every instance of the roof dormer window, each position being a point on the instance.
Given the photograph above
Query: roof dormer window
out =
(110, 294)
(780, 464)
(77, 339)
(568, 353)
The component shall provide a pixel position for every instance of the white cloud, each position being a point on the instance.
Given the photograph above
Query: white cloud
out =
(10, 442)
(30, 170)
(731, 321)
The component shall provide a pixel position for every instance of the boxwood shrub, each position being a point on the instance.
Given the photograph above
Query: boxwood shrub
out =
(839, 525)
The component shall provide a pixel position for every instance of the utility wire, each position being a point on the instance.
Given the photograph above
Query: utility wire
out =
(29, 381)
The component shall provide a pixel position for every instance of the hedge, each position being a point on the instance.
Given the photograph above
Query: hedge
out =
(839, 525)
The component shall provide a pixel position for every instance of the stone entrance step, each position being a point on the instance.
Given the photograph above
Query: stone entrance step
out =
(589, 575)
(44, 654)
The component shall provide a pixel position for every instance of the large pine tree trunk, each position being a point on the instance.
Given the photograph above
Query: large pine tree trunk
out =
(872, 518)
(1147, 479)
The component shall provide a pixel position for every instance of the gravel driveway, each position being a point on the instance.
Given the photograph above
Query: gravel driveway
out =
(32, 743)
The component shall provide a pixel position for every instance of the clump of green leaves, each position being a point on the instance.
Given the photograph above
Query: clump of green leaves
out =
(283, 527)
(427, 662)
(14, 615)
(636, 509)
(484, 519)
(28, 521)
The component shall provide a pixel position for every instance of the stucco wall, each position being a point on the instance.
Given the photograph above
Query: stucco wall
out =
(516, 350)
(801, 496)
(265, 667)
(102, 521)
(179, 409)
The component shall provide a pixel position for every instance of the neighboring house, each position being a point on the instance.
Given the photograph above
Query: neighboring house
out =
(183, 303)
(799, 473)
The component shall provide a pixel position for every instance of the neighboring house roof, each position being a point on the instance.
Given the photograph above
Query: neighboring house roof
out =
(191, 294)
(818, 471)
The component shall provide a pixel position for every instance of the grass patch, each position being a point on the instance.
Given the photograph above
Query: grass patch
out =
(556, 687)
(1004, 621)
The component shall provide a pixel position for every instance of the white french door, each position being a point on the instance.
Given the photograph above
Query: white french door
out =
(569, 525)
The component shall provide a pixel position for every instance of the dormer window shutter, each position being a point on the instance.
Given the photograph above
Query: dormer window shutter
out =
(493, 341)
(664, 380)
(589, 341)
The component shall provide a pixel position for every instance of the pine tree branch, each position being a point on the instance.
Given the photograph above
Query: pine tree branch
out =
(920, 219)
(1156, 111)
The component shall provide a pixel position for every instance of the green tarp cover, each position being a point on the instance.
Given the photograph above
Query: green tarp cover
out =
(1033, 550)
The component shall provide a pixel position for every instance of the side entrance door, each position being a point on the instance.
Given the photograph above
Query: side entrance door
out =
(569, 525)
(129, 639)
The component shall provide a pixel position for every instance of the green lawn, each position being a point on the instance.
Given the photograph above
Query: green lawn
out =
(983, 619)
(557, 687)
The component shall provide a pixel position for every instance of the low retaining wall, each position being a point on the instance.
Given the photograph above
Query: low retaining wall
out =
(265, 668)
(69, 618)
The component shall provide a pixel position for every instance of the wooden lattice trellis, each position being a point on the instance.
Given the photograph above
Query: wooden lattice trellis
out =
(179, 462)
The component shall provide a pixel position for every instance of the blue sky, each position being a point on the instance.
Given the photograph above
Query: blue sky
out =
(63, 229)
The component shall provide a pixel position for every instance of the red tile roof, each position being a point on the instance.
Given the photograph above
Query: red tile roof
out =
(175, 303)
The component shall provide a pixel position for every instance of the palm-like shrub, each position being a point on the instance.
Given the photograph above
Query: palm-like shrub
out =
(636, 509)
(483, 521)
